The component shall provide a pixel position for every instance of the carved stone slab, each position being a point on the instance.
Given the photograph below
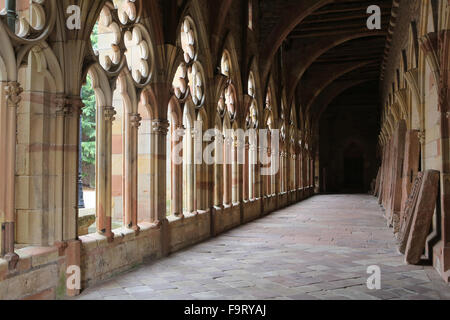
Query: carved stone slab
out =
(410, 169)
(406, 219)
(395, 203)
(423, 215)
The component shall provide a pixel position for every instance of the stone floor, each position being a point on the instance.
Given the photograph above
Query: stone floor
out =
(318, 249)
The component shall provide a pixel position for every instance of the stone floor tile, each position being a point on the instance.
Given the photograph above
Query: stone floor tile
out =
(317, 249)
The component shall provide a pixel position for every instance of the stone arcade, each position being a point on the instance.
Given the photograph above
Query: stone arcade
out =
(90, 113)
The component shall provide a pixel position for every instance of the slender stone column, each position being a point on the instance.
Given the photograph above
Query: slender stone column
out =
(268, 178)
(160, 129)
(104, 171)
(235, 171)
(131, 171)
(256, 172)
(59, 160)
(12, 92)
(197, 156)
(153, 198)
(218, 174)
(205, 180)
(73, 106)
(191, 187)
(177, 177)
(248, 174)
(226, 171)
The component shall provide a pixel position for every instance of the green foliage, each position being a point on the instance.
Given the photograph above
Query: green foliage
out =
(88, 124)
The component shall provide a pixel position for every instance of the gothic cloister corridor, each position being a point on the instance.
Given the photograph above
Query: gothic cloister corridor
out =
(317, 249)
(224, 149)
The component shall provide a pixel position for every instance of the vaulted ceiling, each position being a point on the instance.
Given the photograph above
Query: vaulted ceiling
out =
(327, 47)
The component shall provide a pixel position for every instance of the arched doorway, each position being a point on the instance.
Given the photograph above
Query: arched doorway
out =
(353, 168)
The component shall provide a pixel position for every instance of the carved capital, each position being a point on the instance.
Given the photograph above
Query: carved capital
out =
(422, 136)
(13, 90)
(67, 105)
(109, 114)
(135, 120)
(160, 127)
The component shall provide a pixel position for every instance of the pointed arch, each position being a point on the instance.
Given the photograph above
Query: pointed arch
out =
(7, 55)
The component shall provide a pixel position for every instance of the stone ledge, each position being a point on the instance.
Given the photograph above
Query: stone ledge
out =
(39, 255)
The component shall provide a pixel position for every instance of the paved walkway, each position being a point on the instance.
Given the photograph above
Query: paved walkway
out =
(317, 249)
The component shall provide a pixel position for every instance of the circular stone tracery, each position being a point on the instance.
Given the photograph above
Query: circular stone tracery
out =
(252, 114)
(137, 54)
(190, 72)
(123, 37)
(188, 42)
(31, 20)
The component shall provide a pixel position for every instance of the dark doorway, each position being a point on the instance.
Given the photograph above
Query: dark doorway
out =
(353, 169)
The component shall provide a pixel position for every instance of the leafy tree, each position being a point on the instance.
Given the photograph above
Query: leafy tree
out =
(88, 123)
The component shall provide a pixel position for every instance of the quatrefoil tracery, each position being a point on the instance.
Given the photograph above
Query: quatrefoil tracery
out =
(252, 115)
(189, 74)
(137, 54)
(32, 24)
(227, 101)
(188, 41)
(127, 42)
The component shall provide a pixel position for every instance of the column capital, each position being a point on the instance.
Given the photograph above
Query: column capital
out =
(66, 105)
(160, 126)
(135, 120)
(422, 136)
(109, 113)
(13, 90)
